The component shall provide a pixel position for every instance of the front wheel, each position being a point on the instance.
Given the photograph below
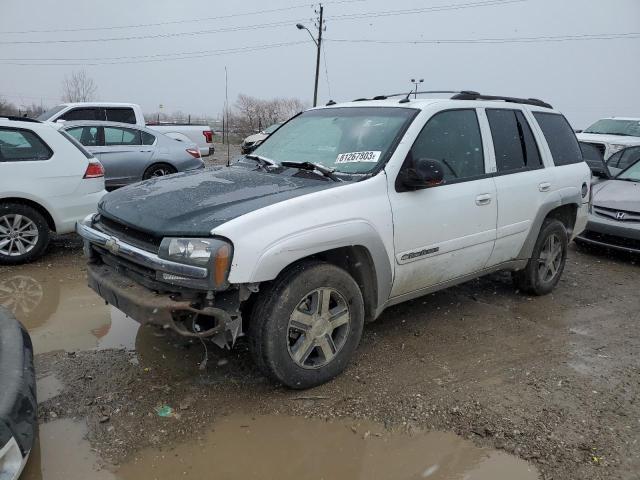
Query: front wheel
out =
(158, 170)
(544, 269)
(306, 327)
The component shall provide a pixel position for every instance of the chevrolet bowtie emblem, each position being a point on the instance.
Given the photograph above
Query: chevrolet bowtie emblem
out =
(112, 245)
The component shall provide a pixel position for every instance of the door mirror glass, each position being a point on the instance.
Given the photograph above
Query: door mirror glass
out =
(423, 173)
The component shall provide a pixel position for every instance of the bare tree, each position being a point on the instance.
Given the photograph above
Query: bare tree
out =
(78, 87)
(251, 114)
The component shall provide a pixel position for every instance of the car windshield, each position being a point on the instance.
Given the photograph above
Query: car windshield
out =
(632, 173)
(50, 113)
(272, 128)
(609, 126)
(351, 140)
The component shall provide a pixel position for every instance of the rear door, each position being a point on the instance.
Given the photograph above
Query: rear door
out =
(88, 136)
(522, 181)
(123, 155)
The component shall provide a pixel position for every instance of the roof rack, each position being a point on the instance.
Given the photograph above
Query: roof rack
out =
(20, 119)
(478, 96)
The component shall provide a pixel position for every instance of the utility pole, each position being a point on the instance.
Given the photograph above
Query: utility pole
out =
(318, 42)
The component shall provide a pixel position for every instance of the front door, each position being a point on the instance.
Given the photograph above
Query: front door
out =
(446, 231)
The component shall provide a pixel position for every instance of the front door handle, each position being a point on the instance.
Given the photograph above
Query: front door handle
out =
(484, 199)
(544, 186)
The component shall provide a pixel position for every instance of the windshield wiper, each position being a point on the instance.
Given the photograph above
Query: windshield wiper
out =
(263, 161)
(326, 171)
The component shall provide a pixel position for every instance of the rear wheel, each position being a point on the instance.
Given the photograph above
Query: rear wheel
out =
(544, 269)
(306, 327)
(24, 233)
(158, 170)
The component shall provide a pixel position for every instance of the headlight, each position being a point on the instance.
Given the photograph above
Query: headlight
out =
(202, 252)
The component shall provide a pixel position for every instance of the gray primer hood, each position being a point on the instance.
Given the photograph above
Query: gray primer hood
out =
(191, 204)
(617, 194)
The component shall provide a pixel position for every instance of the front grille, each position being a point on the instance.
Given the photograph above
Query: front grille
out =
(618, 215)
(612, 240)
(129, 235)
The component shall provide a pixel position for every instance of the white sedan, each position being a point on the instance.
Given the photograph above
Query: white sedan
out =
(48, 182)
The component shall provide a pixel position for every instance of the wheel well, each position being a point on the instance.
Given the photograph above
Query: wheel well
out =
(566, 214)
(47, 216)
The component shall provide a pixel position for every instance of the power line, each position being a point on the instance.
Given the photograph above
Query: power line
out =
(557, 38)
(356, 16)
(176, 22)
(156, 58)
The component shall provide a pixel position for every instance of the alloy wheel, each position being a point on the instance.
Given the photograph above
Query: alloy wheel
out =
(318, 328)
(550, 259)
(18, 235)
(21, 294)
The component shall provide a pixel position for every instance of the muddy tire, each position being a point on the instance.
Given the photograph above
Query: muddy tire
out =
(306, 326)
(24, 234)
(544, 269)
(158, 170)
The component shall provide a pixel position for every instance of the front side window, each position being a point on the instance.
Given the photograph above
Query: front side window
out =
(87, 136)
(351, 140)
(121, 136)
(18, 145)
(624, 158)
(612, 126)
(560, 137)
(122, 115)
(632, 173)
(453, 138)
(513, 142)
(83, 114)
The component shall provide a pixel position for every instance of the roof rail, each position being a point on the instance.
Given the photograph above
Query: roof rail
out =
(478, 96)
(20, 119)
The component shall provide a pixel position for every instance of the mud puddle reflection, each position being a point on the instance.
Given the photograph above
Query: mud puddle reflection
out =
(61, 312)
(241, 447)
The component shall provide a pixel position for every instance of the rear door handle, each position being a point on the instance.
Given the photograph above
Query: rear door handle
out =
(544, 186)
(484, 199)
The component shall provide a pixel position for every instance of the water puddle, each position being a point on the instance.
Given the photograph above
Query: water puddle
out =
(61, 312)
(241, 447)
(63, 453)
(48, 387)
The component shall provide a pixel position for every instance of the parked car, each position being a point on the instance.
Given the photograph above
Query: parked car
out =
(610, 135)
(48, 181)
(130, 153)
(18, 404)
(345, 210)
(131, 113)
(614, 219)
(250, 143)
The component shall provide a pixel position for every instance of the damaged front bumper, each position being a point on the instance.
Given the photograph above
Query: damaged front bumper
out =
(134, 281)
(18, 404)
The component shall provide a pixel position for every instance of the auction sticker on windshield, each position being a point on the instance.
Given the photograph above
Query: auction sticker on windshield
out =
(356, 157)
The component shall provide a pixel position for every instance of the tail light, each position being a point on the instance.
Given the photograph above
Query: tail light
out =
(94, 170)
(194, 152)
(208, 135)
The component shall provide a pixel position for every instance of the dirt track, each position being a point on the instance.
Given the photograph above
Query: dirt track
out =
(553, 380)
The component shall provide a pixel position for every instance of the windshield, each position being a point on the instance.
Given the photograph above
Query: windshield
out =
(50, 113)
(351, 140)
(610, 126)
(631, 173)
(272, 128)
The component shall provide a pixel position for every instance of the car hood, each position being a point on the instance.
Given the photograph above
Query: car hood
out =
(193, 203)
(255, 137)
(617, 195)
(609, 139)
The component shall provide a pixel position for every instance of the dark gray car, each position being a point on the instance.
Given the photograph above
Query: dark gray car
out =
(614, 219)
(131, 153)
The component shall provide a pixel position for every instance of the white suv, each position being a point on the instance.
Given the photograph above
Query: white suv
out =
(48, 182)
(343, 211)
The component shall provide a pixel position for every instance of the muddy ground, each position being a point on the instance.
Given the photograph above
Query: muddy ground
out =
(553, 380)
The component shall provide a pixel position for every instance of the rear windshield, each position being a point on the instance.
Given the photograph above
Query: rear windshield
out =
(76, 143)
(350, 140)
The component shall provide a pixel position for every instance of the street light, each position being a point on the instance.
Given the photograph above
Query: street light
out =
(416, 83)
(318, 44)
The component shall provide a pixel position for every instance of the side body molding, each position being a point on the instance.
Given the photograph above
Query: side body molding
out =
(286, 251)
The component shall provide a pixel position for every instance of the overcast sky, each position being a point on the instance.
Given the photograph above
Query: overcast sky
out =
(586, 79)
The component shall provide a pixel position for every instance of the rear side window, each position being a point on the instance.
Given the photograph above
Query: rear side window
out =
(122, 115)
(87, 136)
(147, 138)
(513, 142)
(560, 137)
(83, 114)
(121, 136)
(76, 144)
(19, 145)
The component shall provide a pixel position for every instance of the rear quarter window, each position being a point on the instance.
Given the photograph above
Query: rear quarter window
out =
(560, 137)
(20, 145)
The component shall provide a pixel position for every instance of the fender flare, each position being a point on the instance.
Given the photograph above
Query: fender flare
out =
(284, 252)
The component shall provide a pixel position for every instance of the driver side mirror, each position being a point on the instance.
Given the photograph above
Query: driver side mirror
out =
(422, 173)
